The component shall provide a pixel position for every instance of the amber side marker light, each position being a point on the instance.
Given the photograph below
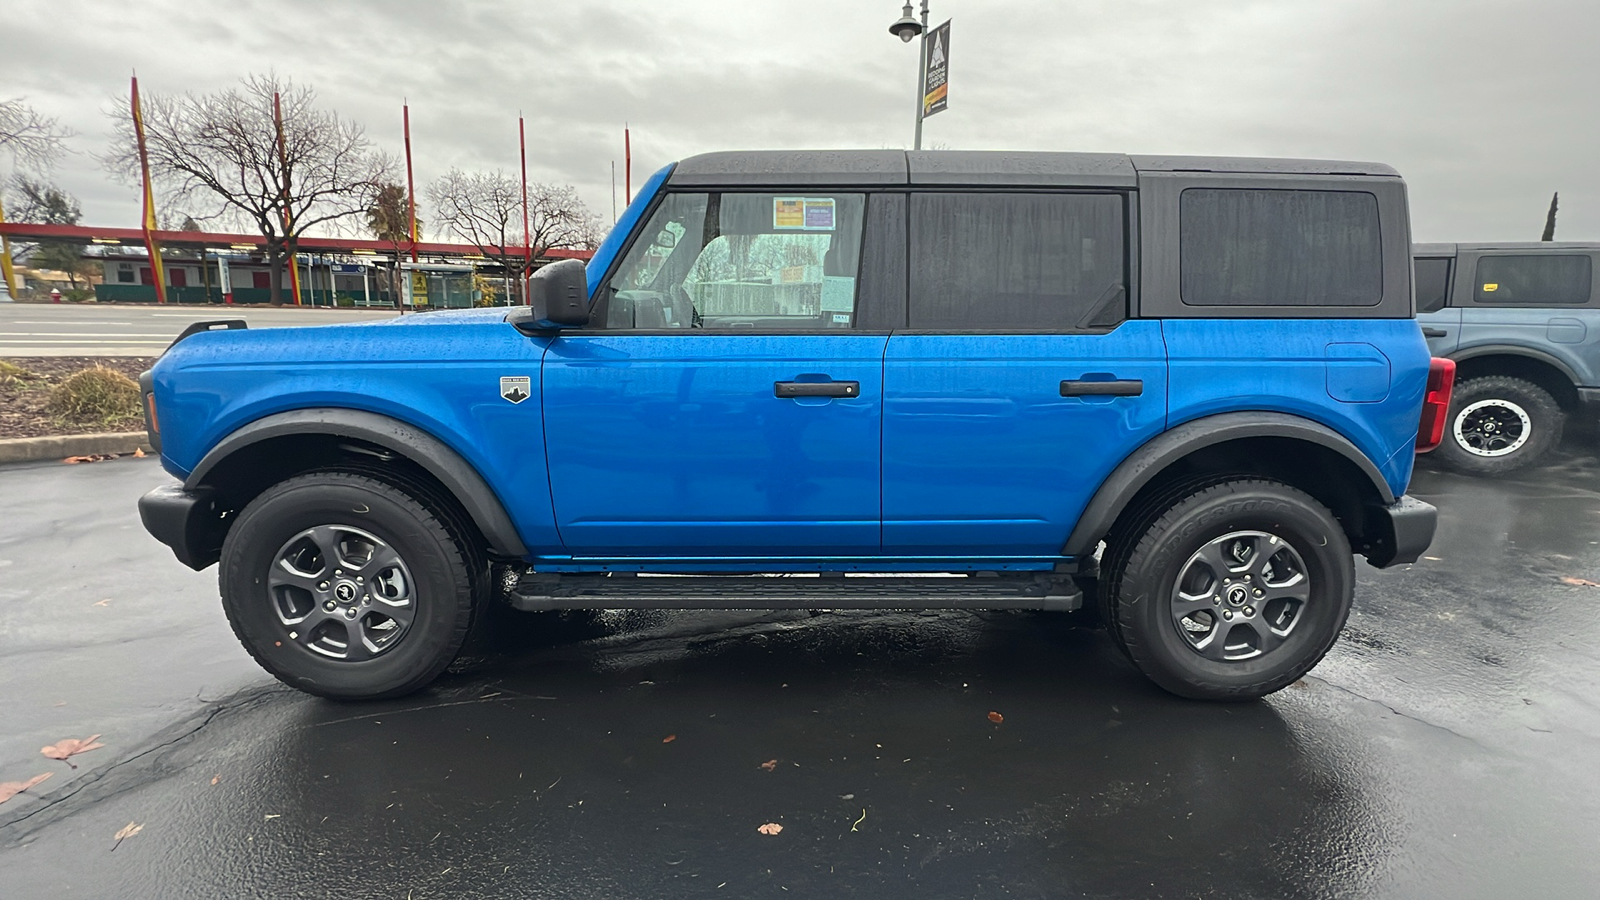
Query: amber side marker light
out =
(1436, 403)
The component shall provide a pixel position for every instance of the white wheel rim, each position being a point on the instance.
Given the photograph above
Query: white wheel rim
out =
(1480, 428)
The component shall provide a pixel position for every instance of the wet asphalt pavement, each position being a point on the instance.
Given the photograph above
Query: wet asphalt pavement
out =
(1448, 747)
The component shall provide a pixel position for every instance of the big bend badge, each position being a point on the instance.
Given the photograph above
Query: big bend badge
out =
(516, 388)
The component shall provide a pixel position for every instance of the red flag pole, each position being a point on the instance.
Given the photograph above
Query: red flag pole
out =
(527, 245)
(283, 161)
(411, 188)
(157, 271)
(627, 166)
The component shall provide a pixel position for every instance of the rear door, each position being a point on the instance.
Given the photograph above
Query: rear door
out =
(1543, 299)
(1018, 385)
(723, 403)
(1440, 322)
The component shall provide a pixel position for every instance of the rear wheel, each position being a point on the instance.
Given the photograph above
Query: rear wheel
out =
(1499, 424)
(1233, 591)
(345, 586)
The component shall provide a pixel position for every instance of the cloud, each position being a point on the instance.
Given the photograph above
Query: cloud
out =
(1486, 107)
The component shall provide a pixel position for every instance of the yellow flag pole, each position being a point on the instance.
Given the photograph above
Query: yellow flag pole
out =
(157, 270)
(6, 268)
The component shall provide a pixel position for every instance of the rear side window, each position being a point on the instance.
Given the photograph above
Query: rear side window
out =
(1241, 247)
(1433, 284)
(1533, 280)
(1045, 262)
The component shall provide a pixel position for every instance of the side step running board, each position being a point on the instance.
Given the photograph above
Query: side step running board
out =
(616, 590)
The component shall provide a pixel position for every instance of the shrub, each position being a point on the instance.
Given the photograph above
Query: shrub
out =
(95, 396)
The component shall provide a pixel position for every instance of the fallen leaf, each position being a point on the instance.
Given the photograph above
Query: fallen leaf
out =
(669, 739)
(9, 789)
(103, 602)
(1582, 582)
(770, 828)
(138, 452)
(128, 831)
(271, 816)
(71, 747)
(770, 764)
(996, 717)
(216, 778)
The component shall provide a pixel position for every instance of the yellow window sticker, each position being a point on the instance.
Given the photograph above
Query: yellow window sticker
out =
(1491, 287)
(788, 212)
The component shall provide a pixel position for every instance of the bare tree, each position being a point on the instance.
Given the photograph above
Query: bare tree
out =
(34, 142)
(44, 203)
(485, 210)
(222, 150)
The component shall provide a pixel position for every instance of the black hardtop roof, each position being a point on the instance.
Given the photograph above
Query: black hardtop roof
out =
(1437, 249)
(1017, 168)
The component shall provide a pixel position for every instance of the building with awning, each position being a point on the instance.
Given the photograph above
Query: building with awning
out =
(217, 267)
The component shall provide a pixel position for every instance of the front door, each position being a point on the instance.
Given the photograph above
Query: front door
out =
(722, 405)
(1018, 386)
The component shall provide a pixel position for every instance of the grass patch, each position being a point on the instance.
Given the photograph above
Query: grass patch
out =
(11, 373)
(95, 396)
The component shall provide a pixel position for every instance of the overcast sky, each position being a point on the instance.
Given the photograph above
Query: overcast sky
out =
(1486, 106)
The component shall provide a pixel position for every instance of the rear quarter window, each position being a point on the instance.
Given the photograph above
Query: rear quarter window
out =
(1544, 280)
(1302, 248)
(1433, 283)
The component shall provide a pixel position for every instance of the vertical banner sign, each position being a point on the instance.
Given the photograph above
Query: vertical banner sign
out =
(411, 188)
(283, 161)
(157, 271)
(225, 278)
(935, 78)
(527, 236)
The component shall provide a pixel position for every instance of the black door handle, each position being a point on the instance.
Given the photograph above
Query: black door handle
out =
(1123, 387)
(1434, 332)
(787, 389)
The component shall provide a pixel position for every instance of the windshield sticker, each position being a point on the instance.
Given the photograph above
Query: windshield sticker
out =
(516, 388)
(819, 214)
(1491, 287)
(802, 213)
(788, 212)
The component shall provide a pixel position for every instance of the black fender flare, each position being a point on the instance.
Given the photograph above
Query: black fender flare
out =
(1145, 463)
(433, 455)
(1551, 360)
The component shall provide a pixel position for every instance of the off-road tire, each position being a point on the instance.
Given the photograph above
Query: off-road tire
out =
(1141, 572)
(1546, 421)
(447, 570)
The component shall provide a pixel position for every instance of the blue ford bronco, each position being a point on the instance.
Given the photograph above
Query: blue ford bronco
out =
(1522, 323)
(1179, 393)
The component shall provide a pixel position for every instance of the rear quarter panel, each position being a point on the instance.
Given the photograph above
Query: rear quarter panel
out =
(1328, 370)
(441, 375)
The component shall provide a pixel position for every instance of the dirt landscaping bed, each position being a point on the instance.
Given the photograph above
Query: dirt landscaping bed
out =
(24, 399)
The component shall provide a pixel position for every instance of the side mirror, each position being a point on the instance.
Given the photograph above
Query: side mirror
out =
(558, 295)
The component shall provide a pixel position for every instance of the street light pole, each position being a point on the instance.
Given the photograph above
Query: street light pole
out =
(906, 29)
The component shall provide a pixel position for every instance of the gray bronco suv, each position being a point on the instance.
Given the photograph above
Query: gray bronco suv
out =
(1522, 322)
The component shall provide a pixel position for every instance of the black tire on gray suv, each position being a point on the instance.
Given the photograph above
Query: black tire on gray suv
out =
(1498, 424)
(1230, 592)
(349, 587)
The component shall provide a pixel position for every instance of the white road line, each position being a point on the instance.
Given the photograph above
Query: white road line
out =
(82, 341)
(124, 334)
(64, 319)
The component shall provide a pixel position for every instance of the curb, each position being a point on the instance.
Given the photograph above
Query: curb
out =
(61, 446)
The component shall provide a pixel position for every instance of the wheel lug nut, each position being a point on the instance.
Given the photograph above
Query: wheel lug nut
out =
(1249, 610)
(349, 614)
(323, 586)
(329, 606)
(1227, 614)
(1258, 592)
(360, 580)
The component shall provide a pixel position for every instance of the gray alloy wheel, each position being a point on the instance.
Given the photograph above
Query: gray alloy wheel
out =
(341, 592)
(1240, 596)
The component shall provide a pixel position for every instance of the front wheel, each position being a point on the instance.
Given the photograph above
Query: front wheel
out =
(1233, 591)
(1499, 424)
(347, 587)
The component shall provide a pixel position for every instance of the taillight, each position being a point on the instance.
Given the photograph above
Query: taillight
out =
(1436, 403)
